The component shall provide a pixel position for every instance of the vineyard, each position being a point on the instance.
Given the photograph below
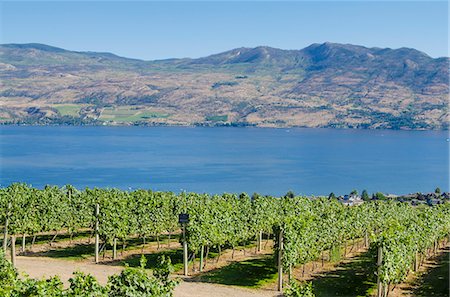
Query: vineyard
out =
(398, 236)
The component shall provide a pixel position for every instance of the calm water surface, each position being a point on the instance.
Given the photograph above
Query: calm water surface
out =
(216, 160)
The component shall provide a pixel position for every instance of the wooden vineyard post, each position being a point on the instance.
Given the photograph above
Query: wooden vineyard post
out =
(379, 262)
(260, 241)
(183, 219)
(114, 248)
(280, 261)
(97, 239)
(13, 250)
(5, 231)
(185, 252)
(202, 251)
(23, 243)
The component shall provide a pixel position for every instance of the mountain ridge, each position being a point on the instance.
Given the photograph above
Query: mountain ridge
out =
(322, 85)
(43, 46)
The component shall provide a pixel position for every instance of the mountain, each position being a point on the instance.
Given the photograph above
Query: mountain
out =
(322, 85)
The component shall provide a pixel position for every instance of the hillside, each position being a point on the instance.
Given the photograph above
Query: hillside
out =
(322, 85)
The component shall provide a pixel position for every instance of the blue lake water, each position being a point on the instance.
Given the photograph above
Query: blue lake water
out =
(217, 160)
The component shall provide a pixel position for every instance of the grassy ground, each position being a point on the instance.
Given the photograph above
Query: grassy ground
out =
(435, 283)
(68, 109)
(126, 114)
(351, 279)
(251, 273)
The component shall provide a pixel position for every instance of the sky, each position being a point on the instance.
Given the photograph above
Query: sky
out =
(158, 30)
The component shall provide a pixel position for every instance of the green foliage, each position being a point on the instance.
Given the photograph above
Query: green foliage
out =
(52, 287)
(135, 282)
(438, 191)
(8, 276)
(379, 196)
(289, 194)
(163, 269)
(296, 289)
(131, 282)
(335, 254)
(85, 285)
(332, 196)
(365, 195)
(405, 231)
(309, 226)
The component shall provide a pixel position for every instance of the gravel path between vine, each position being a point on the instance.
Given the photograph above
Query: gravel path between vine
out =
(38, 267)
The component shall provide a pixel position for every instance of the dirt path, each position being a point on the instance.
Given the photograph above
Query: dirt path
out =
(191, 289)
(38, 267)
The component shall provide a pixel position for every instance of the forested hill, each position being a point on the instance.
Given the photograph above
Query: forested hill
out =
(322, 85)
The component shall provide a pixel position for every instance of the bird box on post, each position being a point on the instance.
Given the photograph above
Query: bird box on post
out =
(183, 218)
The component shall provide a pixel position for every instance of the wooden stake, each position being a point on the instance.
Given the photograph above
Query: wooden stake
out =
(201, 257)
(280, 262)
(114, 248)
(23, 243)
(13, 250)
(33, 241)
(260, 241)
(185, 251)
(220, 253)
(97, 239)
(379, 262)
(207, 254)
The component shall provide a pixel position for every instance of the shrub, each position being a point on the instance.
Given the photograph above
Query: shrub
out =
(52, 287)
(296, 289)
(85, 285)
(135, 282)
(131, 282)
(8, 276)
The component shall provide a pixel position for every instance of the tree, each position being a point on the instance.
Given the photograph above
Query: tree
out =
(289, 194)
(365, 195)
(331, 196)
(438, 191)
(354, 193)
(379, 196)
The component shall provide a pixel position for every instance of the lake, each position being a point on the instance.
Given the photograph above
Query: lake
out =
(217, 160)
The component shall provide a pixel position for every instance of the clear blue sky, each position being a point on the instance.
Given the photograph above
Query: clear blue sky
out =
(157, 30)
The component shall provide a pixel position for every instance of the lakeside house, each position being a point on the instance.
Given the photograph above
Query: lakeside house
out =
(445, 195)
(430, 199)
(350, 200)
